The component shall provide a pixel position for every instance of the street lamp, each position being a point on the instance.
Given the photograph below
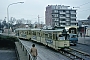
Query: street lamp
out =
(8, 13)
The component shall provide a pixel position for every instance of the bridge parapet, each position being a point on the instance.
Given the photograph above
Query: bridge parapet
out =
(27, 52)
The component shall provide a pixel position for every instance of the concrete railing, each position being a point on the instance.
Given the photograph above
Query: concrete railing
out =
(27, 52)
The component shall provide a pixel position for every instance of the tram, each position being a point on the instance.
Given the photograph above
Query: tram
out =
(73, 34)
(52, 38)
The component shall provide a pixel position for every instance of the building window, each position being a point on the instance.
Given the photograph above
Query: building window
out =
(55, 11)
(56, 7)
(73, 15)
(74, 11)
(53, 7)
(54, 15)
(73, 23)
(73, 19)
(56, 23)
(67, 11)
(62, 15)
(63, 19)
(64, 11)
(67, 15)
(62, 23)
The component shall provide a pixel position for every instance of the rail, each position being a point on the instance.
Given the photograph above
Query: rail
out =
(74, 54)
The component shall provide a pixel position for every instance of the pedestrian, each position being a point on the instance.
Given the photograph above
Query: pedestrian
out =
(33, 52)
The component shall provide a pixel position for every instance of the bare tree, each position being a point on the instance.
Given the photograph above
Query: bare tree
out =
(19, 22)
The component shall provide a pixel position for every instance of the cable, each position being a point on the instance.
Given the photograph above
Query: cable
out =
(84, 4)
(81, 5)
(84, 10)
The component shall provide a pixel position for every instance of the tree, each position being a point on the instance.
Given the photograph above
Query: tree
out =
(19, 22)
(4, 24)
(88, 17)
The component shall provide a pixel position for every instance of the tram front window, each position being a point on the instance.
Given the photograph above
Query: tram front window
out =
(74, 36)
(61, 37)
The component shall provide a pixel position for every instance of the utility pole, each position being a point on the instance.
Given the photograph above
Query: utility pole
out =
(38, 21)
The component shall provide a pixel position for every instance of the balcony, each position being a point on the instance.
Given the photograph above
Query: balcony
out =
(73, 21)
(67, 15)
(63, 17)
(62, 13)
(73, 17)
(62, 21)
(73, 13)
(67, 20)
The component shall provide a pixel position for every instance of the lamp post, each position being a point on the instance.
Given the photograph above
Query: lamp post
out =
(84, 31)
(8, 13)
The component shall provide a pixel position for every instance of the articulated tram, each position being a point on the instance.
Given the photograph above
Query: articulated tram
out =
(52, 38)
(56, 39)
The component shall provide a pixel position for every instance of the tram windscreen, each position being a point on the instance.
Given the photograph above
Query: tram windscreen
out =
(73, 36)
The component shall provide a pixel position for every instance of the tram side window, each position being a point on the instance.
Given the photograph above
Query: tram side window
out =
(38, 34)
(29, 32)
(20, 32)
(25, 32)
(34, 33)
(43, 34)
(61, 37)
(54, 36)
(46, 35)
(50, 35)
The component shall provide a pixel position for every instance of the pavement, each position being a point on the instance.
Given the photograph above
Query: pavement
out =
(84, 40)
(7, 54)
(22, 55)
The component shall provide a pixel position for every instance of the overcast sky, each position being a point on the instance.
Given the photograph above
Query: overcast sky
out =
(30, 9)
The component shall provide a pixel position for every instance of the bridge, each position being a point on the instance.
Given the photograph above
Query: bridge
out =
(10, 42)
(23, 50)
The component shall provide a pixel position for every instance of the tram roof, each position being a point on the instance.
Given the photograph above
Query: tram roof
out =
(23, 29)
(57, 30)
(27, 29)
(35, 29)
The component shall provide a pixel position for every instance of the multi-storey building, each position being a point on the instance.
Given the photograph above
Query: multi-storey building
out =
(60, 15)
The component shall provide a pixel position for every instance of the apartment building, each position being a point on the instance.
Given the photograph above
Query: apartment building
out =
(60, 15)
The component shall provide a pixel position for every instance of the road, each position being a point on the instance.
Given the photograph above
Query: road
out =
(44, 53)
(84, 40)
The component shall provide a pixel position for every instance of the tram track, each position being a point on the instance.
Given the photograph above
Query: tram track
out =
(74, 54)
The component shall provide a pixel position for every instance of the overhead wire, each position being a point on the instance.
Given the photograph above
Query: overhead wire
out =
(83, 5)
